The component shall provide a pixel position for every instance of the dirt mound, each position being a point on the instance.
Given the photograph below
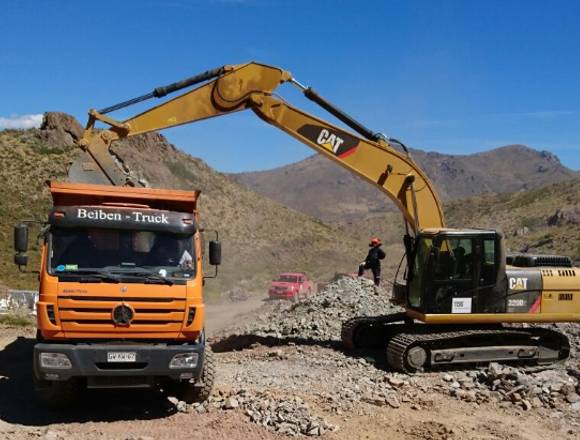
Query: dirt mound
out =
(319, 317)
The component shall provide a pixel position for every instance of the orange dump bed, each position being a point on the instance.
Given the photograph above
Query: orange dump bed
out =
(68, 194)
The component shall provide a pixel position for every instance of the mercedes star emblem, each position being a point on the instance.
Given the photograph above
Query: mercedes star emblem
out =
(123, 315)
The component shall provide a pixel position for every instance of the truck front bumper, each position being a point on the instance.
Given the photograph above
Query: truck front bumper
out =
(289, 294)
(91, 360)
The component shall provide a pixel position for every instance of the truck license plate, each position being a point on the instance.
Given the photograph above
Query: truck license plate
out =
(121, 356)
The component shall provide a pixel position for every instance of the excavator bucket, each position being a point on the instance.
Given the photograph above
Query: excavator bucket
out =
(85, 170)
(98, 165)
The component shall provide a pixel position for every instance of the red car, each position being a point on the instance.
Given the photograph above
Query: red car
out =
(293, 286)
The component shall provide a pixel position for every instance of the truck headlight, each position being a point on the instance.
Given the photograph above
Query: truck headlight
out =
(56, 361)
(184, 360)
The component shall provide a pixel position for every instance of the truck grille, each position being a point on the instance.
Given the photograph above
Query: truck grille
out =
(79, 314)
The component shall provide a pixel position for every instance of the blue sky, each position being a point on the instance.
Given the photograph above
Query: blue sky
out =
(450, 76)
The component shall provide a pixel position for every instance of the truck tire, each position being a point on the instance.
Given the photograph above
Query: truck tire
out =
(56, 394)
(200, 390)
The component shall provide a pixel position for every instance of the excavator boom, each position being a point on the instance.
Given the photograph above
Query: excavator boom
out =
(230, 89)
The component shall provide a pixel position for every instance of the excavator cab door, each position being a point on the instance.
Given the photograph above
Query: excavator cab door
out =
(453, 279)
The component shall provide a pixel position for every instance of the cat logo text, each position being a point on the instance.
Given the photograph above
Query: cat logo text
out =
(329, 140)
(518, 283)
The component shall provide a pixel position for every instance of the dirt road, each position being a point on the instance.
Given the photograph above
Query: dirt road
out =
(318, 376)
(220, 315)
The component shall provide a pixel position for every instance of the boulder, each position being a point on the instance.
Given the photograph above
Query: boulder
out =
(60, 130)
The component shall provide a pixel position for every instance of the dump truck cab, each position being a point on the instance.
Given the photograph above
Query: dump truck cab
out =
(121, 290)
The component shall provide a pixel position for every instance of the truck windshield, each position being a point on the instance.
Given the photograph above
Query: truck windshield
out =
(121, 251)
(288, 279)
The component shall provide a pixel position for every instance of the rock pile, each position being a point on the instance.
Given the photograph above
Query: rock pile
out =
(284, 416)
(320, 317)
(353, 384)
(550, 388)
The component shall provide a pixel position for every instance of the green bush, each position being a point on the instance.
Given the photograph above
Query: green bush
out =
(17, 320)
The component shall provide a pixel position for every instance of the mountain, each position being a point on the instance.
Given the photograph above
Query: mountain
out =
(318, 187)
(260, 237)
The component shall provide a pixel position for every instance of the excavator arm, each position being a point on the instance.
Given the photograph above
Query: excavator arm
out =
(229, 89)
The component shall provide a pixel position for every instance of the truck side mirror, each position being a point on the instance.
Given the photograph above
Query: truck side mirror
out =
(21, 238)
(21, 244)
(215, 253)
(20, 259)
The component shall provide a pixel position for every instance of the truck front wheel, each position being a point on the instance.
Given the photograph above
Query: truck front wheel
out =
(200, 390)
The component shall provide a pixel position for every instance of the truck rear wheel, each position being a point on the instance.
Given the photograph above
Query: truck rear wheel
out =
(200, 390)
(57, 394)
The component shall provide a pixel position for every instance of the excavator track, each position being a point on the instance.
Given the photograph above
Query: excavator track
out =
(423, 347)
(417, 347)
(370, 331)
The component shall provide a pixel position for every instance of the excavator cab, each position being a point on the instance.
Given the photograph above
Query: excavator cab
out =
(456, 272)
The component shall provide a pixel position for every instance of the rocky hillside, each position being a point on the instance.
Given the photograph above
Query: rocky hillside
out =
(542, 220)
(260, 237)
(319, 188)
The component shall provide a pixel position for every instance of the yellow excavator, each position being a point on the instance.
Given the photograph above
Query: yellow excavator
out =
(459, 292)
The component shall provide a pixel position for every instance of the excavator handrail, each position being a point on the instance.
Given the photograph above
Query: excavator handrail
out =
(230, 89)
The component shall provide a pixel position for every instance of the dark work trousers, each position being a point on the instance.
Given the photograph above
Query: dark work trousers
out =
(376, 270)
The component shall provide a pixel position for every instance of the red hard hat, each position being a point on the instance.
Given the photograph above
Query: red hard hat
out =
(375, 241)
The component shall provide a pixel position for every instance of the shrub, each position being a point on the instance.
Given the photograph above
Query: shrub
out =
(17, 320)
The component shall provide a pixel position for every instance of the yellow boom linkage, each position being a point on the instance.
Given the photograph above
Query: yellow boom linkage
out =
(251, 86)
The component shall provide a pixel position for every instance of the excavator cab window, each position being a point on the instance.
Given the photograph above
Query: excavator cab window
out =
(454, 259)
(450, 269)
(488, 265)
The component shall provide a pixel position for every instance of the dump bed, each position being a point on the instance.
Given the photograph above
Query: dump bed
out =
(71, 194)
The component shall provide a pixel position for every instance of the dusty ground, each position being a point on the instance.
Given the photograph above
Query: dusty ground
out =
(315, 373)
(223, 314)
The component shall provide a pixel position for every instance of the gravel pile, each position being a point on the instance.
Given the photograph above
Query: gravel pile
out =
(353, 384)
(340, 383)
(321, 316)
(290, 416)
(550, 388)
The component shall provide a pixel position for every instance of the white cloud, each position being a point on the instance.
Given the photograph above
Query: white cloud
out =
(20, 121)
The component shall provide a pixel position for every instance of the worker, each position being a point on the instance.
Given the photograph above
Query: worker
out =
(373, 260)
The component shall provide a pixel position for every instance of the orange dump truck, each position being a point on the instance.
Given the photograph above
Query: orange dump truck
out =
(121, 292)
